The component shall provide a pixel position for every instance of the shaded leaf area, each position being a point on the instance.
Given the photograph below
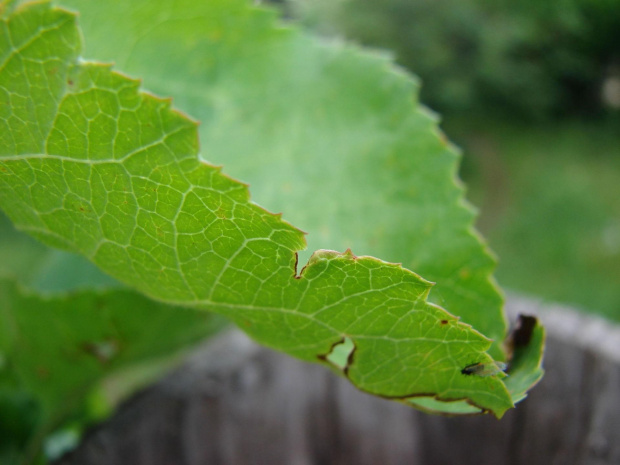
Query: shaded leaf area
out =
(97, 331)
(54, 351)
(90, 164)
(330, 135)
(132, 342)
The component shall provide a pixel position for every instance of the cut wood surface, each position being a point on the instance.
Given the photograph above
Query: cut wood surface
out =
(236, 403)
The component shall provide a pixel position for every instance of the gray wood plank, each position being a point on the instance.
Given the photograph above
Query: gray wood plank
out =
(236, 403)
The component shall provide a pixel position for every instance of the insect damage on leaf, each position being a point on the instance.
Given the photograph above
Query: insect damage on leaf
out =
(484, 369)
(164, 222)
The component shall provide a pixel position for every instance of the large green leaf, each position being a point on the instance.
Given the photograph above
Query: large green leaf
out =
(356, 163)
(327, 134)
(89, 164)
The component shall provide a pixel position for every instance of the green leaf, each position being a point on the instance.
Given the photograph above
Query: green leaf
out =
(90, 164)
(85, 336)
(148, 336)
(57, 349)
(20, 416)
(329, 135)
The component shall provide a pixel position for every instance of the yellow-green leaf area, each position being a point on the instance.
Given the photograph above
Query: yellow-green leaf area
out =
(113, 173)
(328, 134)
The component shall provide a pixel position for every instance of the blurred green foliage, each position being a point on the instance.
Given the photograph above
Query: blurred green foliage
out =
(550, 207)
(525, 58)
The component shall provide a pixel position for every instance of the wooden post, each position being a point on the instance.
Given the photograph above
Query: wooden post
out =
(237, 403)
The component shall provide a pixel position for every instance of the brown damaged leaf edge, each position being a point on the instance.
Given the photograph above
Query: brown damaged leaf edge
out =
(328, 253)
(405, 398)
(345, 370)
(350, 360)
(521, 335)
(351, 357)
(446, 414)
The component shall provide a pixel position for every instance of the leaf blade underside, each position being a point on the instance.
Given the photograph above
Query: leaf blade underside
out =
(112, 173)
(328, 134)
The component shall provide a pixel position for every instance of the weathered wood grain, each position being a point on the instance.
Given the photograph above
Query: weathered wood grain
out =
(236, 403)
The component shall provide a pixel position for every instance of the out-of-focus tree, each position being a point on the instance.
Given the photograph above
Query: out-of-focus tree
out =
(525, 58)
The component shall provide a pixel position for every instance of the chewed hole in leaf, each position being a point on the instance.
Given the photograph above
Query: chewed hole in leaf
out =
(340, 355)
